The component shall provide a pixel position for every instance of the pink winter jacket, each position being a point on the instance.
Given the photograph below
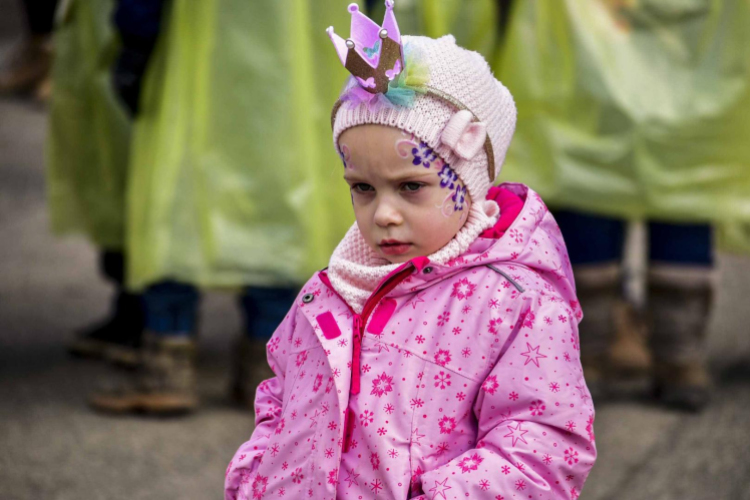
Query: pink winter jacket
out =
(456, 381)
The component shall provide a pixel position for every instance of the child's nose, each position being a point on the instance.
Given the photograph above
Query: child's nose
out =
(387, 214)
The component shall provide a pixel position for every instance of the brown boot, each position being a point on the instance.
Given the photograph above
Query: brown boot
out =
(629, 355)
(26, 66)
(164, 382)
(250, 369)
(679, 304)
(598, 287)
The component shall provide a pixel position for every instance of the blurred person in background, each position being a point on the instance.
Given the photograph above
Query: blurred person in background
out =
(218, 196)
(628, 110)
(26, 68)
(88, 149)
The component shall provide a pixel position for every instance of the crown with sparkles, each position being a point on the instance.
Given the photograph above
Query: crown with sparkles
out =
(372, 54)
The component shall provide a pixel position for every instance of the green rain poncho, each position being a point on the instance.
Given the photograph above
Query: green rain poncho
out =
(633, 109)
(234, 179)
(89, 132)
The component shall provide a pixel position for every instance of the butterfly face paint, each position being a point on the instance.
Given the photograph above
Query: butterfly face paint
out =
(407, 201)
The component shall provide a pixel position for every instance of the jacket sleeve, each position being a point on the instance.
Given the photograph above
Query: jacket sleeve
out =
(535, 417)
(268, 405)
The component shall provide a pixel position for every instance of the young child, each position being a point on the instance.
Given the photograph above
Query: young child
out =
(437, 356)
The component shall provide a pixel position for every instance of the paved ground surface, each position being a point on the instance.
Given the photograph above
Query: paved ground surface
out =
(53, 447)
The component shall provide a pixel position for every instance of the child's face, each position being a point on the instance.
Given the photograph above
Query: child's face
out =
(407, 202)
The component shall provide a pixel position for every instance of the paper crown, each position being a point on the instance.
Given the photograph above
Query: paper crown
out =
(373, 54)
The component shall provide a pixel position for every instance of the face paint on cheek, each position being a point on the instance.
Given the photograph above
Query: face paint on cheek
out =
(417, 151)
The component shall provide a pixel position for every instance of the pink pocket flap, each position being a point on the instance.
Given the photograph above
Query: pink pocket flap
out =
(381, 316)
(328, 325)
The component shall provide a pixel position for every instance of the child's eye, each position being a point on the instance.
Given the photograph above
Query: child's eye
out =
(412, 187)
(361, 187)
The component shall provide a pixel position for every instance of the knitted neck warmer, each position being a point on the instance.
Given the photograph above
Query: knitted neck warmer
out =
(355, 269)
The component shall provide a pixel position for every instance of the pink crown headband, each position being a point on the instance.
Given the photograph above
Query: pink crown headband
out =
(377, 60)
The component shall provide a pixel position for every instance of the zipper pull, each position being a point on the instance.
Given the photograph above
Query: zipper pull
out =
(349, 422)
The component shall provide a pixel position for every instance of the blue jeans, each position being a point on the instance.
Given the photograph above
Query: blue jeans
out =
(593, 239)
(171, 308)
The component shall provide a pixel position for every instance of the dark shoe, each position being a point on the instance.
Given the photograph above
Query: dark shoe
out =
(682, 386)
(118, 339)
(250, 369)
(164, 382)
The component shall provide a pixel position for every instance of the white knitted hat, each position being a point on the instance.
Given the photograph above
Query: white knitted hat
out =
(460, 92)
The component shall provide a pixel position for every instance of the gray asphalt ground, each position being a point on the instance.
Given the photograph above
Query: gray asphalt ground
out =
(53, 447)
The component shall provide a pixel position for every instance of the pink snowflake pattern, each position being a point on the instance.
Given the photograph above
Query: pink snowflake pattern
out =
(490, 384)
(570, 425)
(442, 357)
(484, 485)
(443, 380)
(442, 448)
(382, 431)
(548, 320)
(505, 469)
(389, 408)
(280, 426)
(274, 344)
(571, 456)
(444, 318)
(329, 452)
(447, 424)
(520, 485)
(382, 385)
(366, 368)
(333, 476)
(318, 382)
(365, 418)
(420, 339)
(463, 289)
(465, 352)
(297, 475)
(376, 485)
(392, 453)
(513, 396)
(537, 407)
(466, 309)
(516, 235)
(470, 463)
(260, 483)
(460, 396)
(456, 330)
(416, 403)
(590, 428)
(301, 358)
(554, 387)
(547, 459)
(374, 461)
(494, 326)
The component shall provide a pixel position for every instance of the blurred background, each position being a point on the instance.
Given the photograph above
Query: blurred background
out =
(167, 182)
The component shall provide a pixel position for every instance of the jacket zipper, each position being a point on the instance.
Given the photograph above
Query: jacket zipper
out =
(359, 323)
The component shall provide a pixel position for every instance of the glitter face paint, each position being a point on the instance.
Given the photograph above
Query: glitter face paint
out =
(421, 154)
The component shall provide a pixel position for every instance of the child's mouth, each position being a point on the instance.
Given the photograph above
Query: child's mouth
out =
(394, 247)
